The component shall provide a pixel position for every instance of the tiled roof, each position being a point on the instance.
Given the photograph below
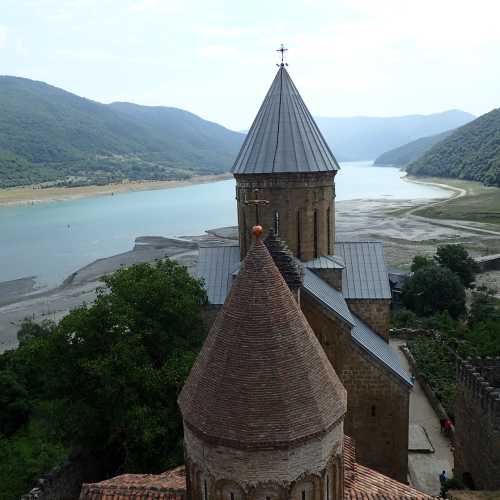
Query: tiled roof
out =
(216, 265)
(365, 275)
(170, 485)
(262, 378)
(363, 483)
(377, 347)
(284, 136)
(330, 298)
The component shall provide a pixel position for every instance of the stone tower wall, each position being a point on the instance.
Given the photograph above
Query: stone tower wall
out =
(376, 313)
(305, 204)
(477, 423)
(377, 401)
(304, 472)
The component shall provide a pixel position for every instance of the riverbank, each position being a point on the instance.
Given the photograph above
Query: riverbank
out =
(28, 195)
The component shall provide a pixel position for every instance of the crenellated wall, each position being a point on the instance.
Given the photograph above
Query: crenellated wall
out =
(477, 422)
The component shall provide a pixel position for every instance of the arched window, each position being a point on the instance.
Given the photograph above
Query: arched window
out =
(276, 223)
(315, 233)
(303, 490)
(374, 411)
(232, 491)
(299, 233)
(329, 230)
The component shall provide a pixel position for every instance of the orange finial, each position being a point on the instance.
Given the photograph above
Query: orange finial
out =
(257, 231)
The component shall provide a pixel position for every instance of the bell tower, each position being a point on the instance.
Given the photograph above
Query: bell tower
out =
(286, 161)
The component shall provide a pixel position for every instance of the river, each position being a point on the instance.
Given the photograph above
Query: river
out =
(52, 240)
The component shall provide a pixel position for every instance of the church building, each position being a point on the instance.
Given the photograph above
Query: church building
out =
(285, 181)
(263, 408)
(296, 393)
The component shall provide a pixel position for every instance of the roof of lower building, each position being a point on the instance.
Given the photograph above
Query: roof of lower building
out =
(377, 347)
(363, 483)
(262, 378)
(360, 483)
(216, 266)
(171, 485)
(365, 274)
(329, 297)
(284, 137)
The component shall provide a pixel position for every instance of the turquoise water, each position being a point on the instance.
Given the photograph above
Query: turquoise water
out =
(51, 240)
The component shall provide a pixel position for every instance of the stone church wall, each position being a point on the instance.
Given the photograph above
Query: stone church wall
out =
(377, 401)
(305, 207)
(477, 424)
(376, 313)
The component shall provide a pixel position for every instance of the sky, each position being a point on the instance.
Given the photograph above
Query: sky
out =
(217, 58)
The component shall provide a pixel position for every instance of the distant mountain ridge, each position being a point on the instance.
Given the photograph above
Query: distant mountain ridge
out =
(366, 138)
(48, 134)
(471, 152)
(405, 154)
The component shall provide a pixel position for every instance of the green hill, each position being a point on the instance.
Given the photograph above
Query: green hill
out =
(409, 152)
(471, 152)
(367, 137)
(50, 135)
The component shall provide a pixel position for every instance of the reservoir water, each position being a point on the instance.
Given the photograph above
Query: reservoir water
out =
(52, 240)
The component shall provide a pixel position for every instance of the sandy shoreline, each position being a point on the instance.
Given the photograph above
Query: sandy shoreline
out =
(29, 195)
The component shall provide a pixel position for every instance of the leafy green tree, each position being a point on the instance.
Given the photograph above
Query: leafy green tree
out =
(457, 259)
(15, 405)
(420, 261)
(434, 289)
(484, 307)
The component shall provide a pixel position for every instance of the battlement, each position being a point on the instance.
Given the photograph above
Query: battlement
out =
(480, 380)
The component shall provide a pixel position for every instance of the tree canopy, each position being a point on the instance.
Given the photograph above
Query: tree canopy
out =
(457, 259)
(433, 289)
(107, 377)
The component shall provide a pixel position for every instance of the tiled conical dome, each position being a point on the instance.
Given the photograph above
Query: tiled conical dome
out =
(262, 378)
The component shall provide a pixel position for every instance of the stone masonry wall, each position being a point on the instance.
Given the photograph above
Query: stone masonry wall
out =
(302, 201)
(254, 470)
(376, 313)
(477, 423)
(377, 401)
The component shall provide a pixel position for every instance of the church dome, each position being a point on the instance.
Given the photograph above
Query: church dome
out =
(262, 379)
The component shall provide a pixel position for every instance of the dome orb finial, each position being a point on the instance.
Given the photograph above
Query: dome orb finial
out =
(257, 231)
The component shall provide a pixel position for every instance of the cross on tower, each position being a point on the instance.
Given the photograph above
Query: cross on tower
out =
(282, 50)
(256, 203)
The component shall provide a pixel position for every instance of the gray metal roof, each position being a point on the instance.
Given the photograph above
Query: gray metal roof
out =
(332, 299)
(216, 266)
(372, 343)
(365, 275)
(326, 262)
(284, 136)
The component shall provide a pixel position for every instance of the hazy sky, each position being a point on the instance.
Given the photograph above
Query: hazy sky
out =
(217, 58)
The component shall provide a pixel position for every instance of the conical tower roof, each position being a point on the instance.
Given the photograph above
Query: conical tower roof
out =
(284, 136)
(262, 378)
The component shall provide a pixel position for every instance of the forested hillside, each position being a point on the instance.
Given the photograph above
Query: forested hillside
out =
(410, 152)
(49, 135)
(367, 137)
(472, 152)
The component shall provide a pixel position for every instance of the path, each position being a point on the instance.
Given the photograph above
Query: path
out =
(424, 468)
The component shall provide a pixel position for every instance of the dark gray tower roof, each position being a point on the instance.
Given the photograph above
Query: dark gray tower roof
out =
(284, 136)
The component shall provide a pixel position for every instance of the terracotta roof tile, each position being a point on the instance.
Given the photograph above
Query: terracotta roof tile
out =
(170, 485)
(262, 378)
(363, 483)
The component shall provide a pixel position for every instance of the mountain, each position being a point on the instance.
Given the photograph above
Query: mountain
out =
(471, 152)
(48, 134)
(366, 138)
(410, 152)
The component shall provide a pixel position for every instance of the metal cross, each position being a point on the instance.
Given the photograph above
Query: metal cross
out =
(282, 50)
(256, 203)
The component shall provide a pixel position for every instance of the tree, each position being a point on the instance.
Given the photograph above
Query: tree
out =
(420, 261)
(457, 259)
(484, 307)
(434, 289)
(113, 371)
